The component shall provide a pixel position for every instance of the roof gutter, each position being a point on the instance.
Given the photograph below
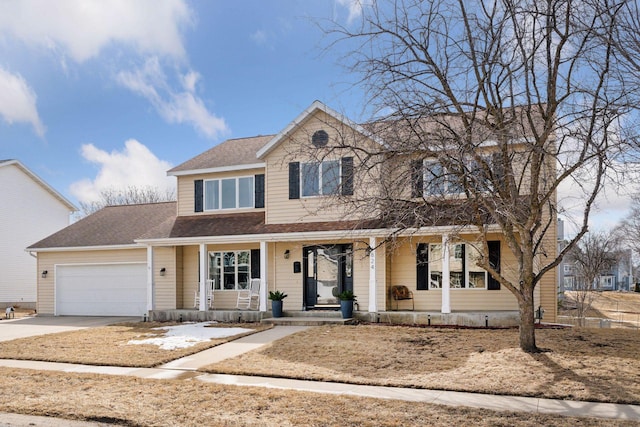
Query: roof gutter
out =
(84, 248)
(311, 235)
(218, 169)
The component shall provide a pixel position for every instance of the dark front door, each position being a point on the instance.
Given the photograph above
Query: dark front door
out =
(328, 270)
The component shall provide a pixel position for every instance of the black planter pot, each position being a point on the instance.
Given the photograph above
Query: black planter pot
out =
(346, 307)
(276, 308)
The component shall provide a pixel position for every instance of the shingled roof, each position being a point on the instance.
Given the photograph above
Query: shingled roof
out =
(113, 226)
(253, 223)
(232, 152)
(123, 225)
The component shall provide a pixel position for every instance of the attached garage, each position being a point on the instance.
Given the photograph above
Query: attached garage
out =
(101, 289)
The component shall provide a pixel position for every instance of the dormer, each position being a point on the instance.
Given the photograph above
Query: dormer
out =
(227, 178)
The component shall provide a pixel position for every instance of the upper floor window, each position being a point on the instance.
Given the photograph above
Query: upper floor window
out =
(229, 193)
(329, 177)
(320, 178)
(432, 178)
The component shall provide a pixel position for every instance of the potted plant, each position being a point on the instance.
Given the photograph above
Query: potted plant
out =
(346, 303)
(276, 298)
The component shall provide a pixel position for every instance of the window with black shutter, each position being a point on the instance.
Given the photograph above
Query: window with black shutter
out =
(198, 195)
(347, 176)
(259, 191)
(294, 180)
(417, 179)
(255, 263)
(422, 267)
(494, 260)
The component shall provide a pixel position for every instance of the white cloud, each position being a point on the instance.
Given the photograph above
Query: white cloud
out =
(18, 101)
(134, 166)
(355, 8)
(84, 27)
(611, 205)
(259, 37)
(174, 106)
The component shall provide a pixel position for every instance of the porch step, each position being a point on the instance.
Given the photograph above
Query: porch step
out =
(306, 321)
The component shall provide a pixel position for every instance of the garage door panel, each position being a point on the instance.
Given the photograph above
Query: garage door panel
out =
(101, 290)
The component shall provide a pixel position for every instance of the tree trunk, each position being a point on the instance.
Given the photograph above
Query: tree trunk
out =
(527, 323)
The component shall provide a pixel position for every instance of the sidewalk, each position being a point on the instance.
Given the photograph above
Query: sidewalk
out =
(186, 368)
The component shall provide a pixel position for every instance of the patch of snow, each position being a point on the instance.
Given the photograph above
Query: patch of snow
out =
(188, 335)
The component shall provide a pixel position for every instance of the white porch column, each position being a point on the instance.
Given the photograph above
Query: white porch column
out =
(263, 276)
(373, 302)
(446, 277)
(149, 277)
(203, 277)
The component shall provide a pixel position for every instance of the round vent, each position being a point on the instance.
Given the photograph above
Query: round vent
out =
(320, 138)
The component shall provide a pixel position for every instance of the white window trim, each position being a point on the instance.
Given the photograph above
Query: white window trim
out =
(320, 194)
(220, 282)
(237, 180)
(466, 269)
(446, 181)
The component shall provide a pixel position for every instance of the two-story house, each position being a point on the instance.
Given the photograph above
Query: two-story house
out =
(254, 210)
(30, 210)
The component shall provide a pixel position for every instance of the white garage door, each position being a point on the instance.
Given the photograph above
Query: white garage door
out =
(101, 290)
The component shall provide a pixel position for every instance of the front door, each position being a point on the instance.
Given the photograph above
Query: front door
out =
(328, 270)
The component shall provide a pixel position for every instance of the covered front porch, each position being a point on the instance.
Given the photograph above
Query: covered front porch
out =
(201, 279)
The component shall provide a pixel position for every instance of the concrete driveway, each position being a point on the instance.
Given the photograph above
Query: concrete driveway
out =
(31, 326)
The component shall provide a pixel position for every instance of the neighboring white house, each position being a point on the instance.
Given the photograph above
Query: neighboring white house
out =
(30, 209)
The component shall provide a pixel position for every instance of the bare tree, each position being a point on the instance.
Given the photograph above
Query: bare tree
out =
(490, 106)
(596, 253)
(131, 195)
(629, 228)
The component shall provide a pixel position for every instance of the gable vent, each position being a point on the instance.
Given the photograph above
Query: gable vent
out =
(320, 138)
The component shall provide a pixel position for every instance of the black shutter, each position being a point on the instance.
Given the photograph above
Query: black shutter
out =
(198, 196)
(422, 267)
(255, 263)
(294, 180)
(347, 176)
(494, 260)
(417, 179)
(258, 197)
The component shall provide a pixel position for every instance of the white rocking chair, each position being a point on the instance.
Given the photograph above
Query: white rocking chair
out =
(247, 296)
(196, 299)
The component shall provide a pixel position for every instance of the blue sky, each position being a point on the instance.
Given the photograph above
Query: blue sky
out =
(98, 94)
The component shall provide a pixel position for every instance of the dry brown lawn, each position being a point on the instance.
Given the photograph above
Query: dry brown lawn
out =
(108, 345)
(621, 307)
(142, 402)
(580, 364)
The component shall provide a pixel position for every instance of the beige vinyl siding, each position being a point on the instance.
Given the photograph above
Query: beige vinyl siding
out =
(179, 277)
(361, 274)
(548, 286)
(285, 279)
(189, 275)
(297, 148)
(165, 290)
(48, 261)
(186, 192)
(403, 272)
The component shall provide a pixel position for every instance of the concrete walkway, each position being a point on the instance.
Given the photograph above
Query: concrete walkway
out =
(187, 366)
